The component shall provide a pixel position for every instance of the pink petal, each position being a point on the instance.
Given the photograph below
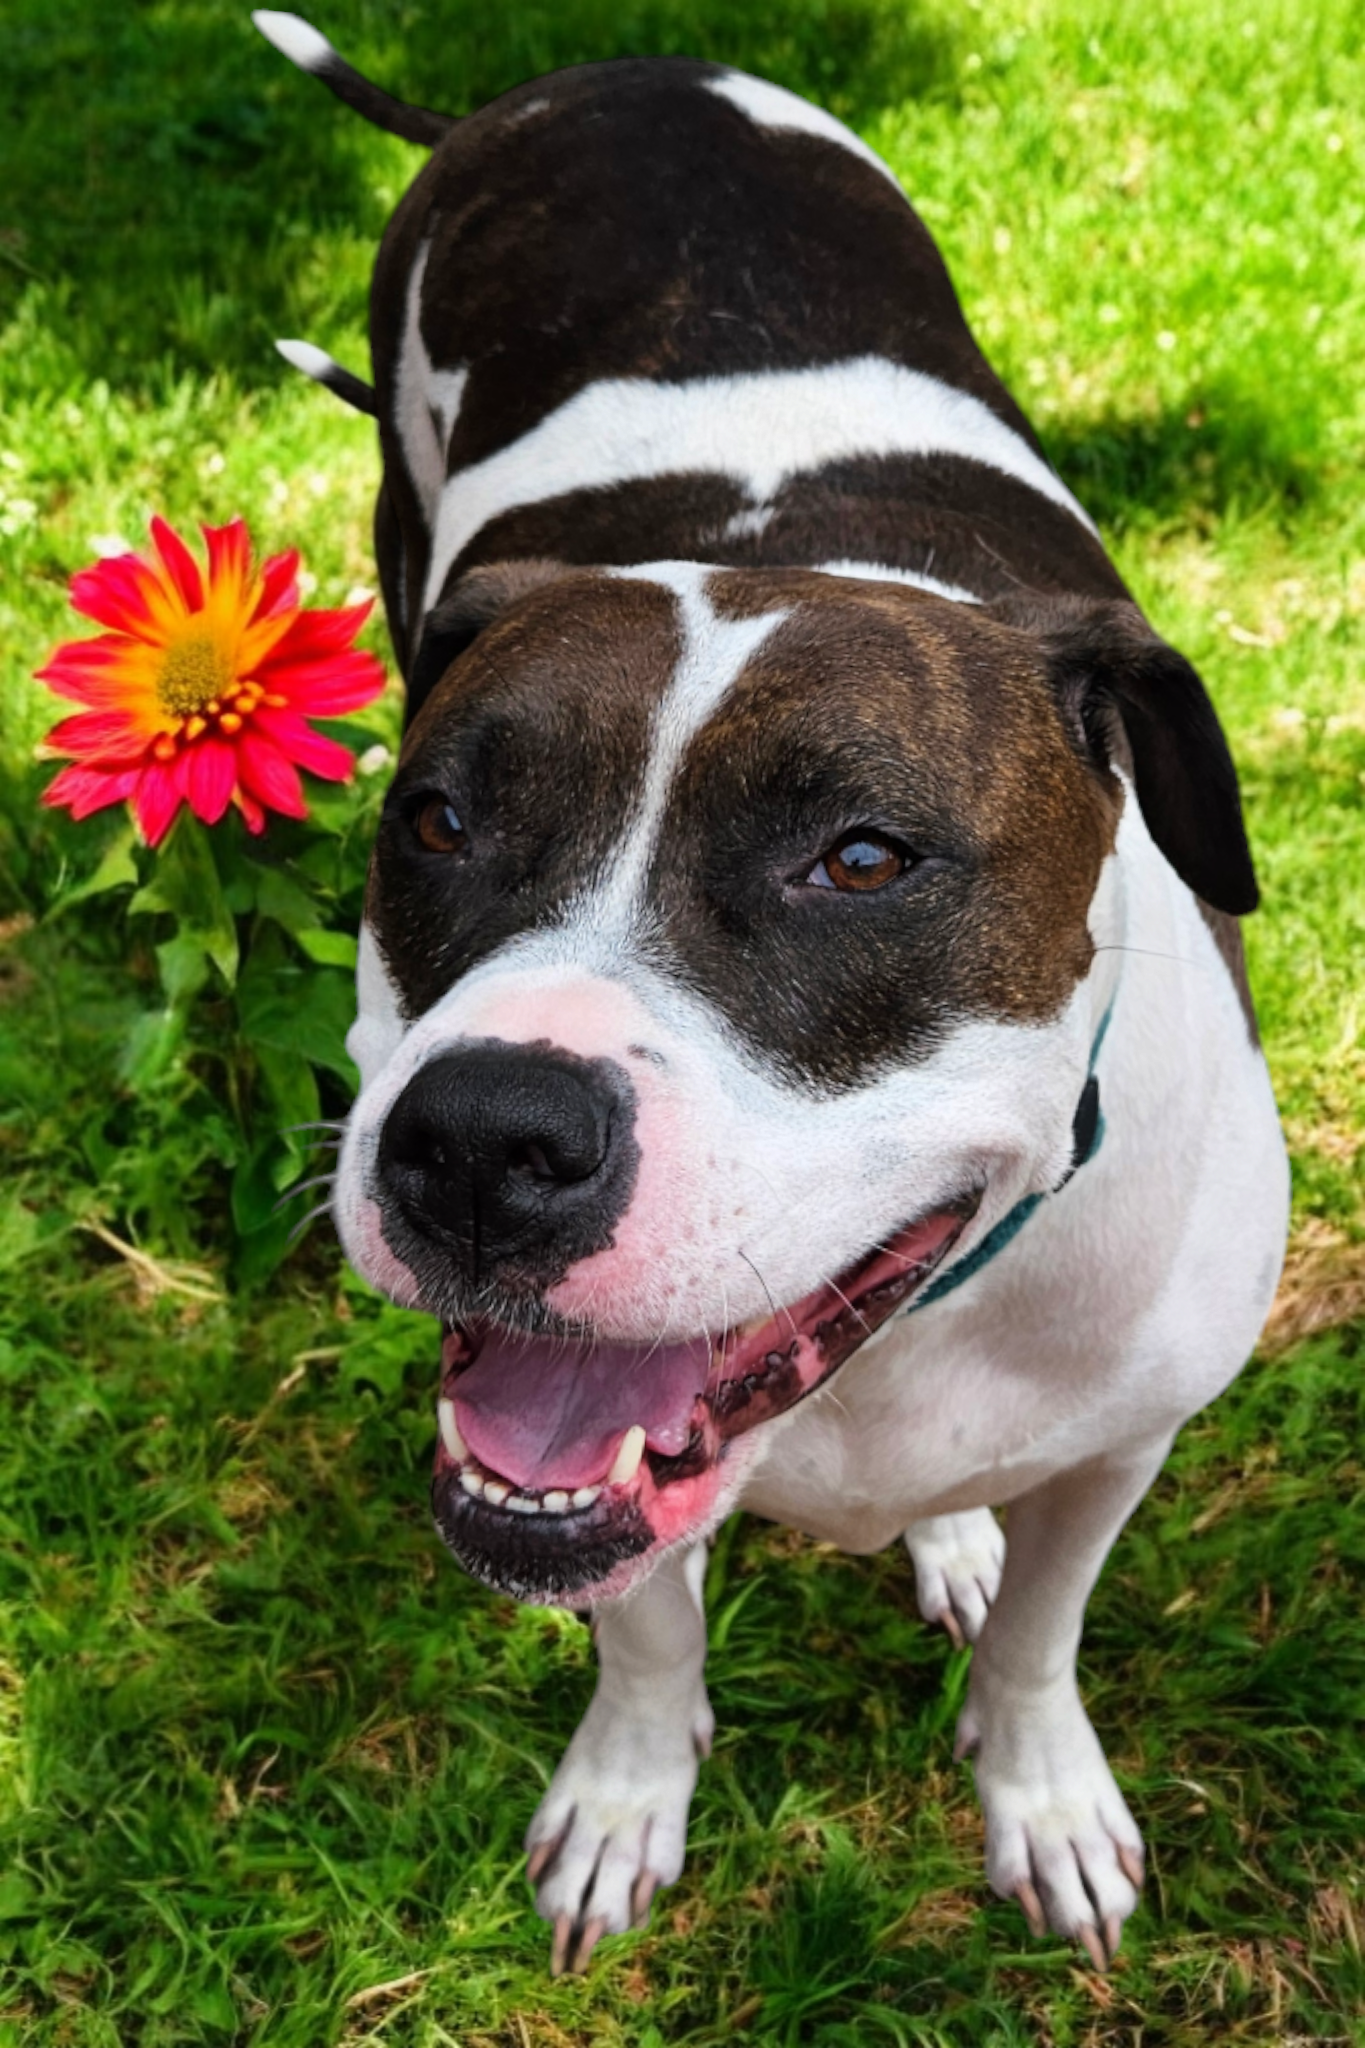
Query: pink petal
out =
(119, 593)
(279, 591)
(267, 774)
(229, 552)
(157, 800)
(212, 776)
(304, 747)
(325, 688)
(87, 789)
(315, 633)
(252, 814)
(180, 565)
(108, 737)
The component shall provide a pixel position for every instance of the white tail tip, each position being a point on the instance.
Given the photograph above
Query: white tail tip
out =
(314, 362)
(294, 38)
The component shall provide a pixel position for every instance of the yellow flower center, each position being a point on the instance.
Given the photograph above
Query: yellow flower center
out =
(196, 669)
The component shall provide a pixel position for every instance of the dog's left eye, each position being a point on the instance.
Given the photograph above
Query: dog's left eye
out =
(437, 825)
(861, 860)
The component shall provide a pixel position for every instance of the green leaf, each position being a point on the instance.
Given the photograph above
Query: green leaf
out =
(302, 1010)
(329, 949)
(184, 968)
(184, 884)
(279, 896)
(117, 870)
(150, 1046)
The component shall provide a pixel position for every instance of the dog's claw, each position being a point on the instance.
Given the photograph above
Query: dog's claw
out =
(1130, 1863)
(1031, 1907)
(559, 1946)
(1113, 1934)
(1089, 1937)
(952, 1628)
(537, 1860)
(642, 1898)
(589, 1935)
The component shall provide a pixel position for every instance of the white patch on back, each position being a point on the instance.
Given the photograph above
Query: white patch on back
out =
(880, 572)
(759, 429)
(772, 106)
(426, 400)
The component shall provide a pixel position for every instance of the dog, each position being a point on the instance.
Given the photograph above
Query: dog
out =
(807, 1061)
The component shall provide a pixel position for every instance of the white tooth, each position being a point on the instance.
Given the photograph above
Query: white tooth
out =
(494, 1490)
(450, 1435)
(472, 1483)
(585, 1496)
(557, 1502)
(628, 1458)
(522, 1506)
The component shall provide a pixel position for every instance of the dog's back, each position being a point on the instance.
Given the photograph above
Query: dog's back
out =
(658, 310)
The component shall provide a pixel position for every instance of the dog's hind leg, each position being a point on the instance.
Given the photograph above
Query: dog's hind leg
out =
(958, 1560)
(1059, 1836)
(613, 1826)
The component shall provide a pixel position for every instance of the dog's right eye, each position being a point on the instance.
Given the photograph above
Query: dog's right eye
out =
(437, 825)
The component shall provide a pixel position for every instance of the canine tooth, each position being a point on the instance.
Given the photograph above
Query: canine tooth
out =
(522, 1506)
(494, 1490)
(450, 1435)
(557, 1502)
(585, 1496)
(472, 1483)
(627, 1462)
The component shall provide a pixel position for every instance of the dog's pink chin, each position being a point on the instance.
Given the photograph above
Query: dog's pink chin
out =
(583, 1433)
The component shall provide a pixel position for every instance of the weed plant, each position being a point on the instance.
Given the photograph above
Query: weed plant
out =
(265, 1756)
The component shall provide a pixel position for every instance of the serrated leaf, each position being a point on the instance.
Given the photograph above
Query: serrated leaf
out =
(302, 1010)
(117, 869)
(279, 896)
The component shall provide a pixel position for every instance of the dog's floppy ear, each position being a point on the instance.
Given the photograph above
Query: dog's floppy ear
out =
(454, 623)
(1108, 667)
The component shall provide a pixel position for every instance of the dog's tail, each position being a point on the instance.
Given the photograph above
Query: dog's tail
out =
(325, 370)
(301, 43)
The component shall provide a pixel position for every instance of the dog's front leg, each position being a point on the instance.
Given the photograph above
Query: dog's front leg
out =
(613, 1826)
(1059, 1837)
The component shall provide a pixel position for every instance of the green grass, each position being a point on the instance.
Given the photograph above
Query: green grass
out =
(262, 1748)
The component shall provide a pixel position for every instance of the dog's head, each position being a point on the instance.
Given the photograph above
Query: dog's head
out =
(729, 965)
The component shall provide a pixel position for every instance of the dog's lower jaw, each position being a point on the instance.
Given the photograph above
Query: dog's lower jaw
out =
(597, 1554)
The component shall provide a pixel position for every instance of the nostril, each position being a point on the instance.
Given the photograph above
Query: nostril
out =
(497, 1152)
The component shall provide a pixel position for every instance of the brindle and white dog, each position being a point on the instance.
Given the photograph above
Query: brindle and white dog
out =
(807, 1060)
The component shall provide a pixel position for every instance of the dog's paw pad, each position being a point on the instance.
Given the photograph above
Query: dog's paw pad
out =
(958, 1560)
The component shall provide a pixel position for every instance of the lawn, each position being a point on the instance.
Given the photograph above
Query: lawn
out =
(265, 1756)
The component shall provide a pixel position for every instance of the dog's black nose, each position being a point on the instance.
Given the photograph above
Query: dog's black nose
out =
(515, 1160)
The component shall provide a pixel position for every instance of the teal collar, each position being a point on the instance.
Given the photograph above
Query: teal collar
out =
(1087, 1129)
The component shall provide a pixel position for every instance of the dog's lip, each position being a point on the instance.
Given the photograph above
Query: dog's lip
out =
(755, 1372)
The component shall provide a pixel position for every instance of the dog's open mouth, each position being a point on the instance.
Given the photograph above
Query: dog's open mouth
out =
(559, 1458)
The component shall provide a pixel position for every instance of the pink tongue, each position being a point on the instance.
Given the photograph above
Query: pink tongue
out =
(544, 1411)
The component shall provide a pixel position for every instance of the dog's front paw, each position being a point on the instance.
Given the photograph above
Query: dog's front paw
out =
(1059, 1836)
(613, 1826)
(958, 1560)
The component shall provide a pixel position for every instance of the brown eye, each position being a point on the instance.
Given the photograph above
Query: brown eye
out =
(438, 826)
(859, 861)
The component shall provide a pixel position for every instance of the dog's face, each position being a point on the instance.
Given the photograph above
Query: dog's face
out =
(725, 962)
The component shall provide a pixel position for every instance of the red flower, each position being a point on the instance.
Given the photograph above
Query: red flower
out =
(199, 694)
